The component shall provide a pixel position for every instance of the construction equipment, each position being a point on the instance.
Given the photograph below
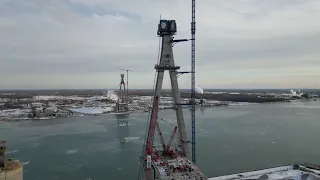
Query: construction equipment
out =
(193, 79)
(161, 137)
(171, 139)
(150, 137)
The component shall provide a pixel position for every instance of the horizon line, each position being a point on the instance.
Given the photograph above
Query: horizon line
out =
(8, 89)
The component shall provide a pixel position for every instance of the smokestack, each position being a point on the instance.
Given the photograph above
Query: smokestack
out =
(200, 91)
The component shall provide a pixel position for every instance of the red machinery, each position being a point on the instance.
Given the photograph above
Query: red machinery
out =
(171, 138)
(150, 139)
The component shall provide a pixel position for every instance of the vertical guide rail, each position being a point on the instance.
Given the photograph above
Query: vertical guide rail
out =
(127, 97)
(193, 73)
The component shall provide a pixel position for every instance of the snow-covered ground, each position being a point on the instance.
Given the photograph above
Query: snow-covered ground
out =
(83, 105)
(92, 110)
(46, 98)
(94, 98)
(4, 100)
(284, 172)
(111, 95)
(14, 112)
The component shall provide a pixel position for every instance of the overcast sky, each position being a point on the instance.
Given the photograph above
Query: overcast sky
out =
(83, 43)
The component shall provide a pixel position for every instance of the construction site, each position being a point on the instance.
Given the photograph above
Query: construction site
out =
(168, 160)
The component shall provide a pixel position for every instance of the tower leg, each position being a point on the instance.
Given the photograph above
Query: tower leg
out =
(179, 112)
(124, 90)
(159, 82)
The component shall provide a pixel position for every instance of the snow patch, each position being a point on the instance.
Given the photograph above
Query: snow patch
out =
(92, 110)
(145, 98)
(45, 98)
(14, 112)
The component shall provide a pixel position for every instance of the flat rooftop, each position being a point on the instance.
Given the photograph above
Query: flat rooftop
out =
(290, 172)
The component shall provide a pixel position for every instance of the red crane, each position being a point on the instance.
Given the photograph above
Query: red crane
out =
(150, 138)
(153, 126)
(171, 138)
(161, 137)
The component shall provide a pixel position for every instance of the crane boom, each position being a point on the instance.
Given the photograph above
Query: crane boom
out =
(150, 137)
(161, 137)
(171, 138)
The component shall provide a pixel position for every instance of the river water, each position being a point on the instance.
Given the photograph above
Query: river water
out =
(229, 140)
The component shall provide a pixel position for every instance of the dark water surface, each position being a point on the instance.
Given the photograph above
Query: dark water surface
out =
(229, 140)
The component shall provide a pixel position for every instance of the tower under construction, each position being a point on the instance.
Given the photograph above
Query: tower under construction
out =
(168, 161)
(122, 103)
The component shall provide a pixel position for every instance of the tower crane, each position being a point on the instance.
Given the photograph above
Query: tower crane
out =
(193, 80)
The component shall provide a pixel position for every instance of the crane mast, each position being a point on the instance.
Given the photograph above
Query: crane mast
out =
(160, 135)
(150, 138)
(193, 80)
(171, 139)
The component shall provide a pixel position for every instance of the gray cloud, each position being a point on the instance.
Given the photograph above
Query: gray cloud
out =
(91, 39)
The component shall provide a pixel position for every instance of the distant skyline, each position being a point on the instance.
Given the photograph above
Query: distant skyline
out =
(243, 44)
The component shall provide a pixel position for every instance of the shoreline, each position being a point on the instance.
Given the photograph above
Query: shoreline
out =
(15, 119)
(58, 106)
